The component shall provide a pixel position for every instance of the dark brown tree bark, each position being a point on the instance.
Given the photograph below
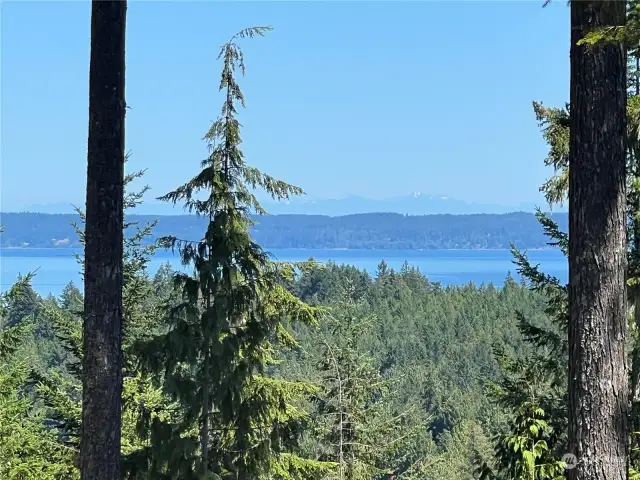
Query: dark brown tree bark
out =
(103, 267)
(598, 381)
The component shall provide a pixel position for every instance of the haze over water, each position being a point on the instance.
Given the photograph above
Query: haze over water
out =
(54, 268)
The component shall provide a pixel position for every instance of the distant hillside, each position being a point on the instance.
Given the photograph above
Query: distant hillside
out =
(362, 231)
(415, 204)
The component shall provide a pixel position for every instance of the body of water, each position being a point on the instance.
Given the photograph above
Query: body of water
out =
(54, 268)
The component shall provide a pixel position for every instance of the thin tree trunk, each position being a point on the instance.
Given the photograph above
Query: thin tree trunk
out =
(103, 271)
(206, 386)
(206, 409)
(598, 381)
(635, 359)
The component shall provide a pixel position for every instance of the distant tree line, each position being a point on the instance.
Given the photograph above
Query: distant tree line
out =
(364, 231)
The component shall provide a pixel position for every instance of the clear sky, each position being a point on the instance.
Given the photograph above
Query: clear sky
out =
(376, 99)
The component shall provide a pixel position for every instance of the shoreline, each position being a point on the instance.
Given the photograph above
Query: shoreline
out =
(306, 249)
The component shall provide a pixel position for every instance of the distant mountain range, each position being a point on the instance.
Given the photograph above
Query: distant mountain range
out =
(414, 204)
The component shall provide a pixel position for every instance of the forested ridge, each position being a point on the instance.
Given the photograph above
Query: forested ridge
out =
(363, 231)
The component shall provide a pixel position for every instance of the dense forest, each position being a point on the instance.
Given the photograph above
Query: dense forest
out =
(249, 369)
(364, 231)
(416, 358)
(393, 378)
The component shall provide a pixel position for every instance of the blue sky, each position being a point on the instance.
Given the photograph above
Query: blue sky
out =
(376, 99)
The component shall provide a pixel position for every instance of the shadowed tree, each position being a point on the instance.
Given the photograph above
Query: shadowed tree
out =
(598, 382)
(103, 272)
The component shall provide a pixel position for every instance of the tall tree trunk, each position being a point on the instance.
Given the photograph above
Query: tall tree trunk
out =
(103, 270)
(635, 358)
(633, 201)
(598, 381)
(635, 295)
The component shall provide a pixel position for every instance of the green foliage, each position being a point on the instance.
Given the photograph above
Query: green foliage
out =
(356, 425)
(533, 386)
(554, 123)
(234, 421)
(628, 34)
(430, 347)
(550, 345)
(60, 388)
(426, 348)
(528, 447)
(28, 449)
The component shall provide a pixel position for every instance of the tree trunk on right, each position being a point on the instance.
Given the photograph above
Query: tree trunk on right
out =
(598, 381)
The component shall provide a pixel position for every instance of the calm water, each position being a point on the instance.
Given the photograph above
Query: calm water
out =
(54, 268)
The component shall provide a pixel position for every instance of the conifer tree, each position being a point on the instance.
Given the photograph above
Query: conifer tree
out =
(28, 449)
(533, 388)
(236, 423)
(61, 388)
(356, 426)
(550, 346)
(630, 35)
(598, 431)
(557, 131)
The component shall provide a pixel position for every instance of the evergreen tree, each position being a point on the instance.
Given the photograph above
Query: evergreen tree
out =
(61, 388)
(533, 387)
(23, 303)
(630, 35)
(555, 124)
(28, 449)
(598, 429)
(357, 427)
(71, 298)
(236, 423)
(544, 372)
